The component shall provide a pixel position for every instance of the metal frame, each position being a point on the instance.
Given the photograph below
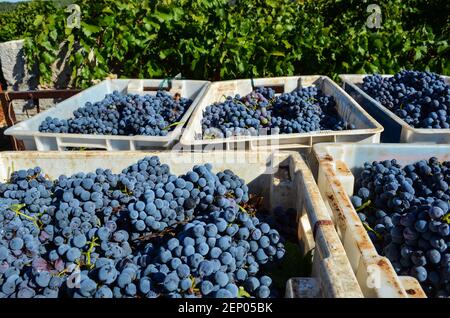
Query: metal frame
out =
(7, 112)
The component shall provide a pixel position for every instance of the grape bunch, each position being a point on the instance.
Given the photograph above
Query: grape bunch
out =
(263, 112)
(216, 255)
(421, 99)
(406, 212)
(143, 232)
(123, 114)
(305, 110)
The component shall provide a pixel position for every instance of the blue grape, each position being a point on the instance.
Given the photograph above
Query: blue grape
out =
(223, 293)
(221, 279)
(73, 254)
(171, 282)
(206, 287)
(420, 273)
(43, 279)
(263, 292)
(251, 284)
(103, 292)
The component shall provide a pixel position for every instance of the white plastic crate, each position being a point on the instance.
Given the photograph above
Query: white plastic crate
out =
(283, 179)
(339, 164)
(395, 128)
(368, 130)
(28, 131)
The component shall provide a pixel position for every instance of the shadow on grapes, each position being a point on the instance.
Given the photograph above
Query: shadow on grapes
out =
(294, 264)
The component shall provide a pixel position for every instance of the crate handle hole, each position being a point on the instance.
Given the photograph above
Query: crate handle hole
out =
(279, 89)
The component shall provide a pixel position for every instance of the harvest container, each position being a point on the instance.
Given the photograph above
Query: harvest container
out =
(367, 129)
(338, 166)
(28, 131)
(395, 128)
(283, 179)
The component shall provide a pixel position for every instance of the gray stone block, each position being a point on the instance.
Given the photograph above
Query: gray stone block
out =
(14, 67)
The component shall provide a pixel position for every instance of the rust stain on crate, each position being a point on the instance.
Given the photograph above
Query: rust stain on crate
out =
(327, 157)
(343, 169)
(94, 154)
(386, 268)
(411, 292)
(363, 243)
(382, 263)
(335, 205)
(345, 200)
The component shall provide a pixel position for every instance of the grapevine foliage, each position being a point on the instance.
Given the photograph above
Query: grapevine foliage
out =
(224, 39)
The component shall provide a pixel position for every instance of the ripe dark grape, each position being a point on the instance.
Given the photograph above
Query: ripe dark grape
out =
(262, 112)
(143, 232)
(422, 99)
(123, 114)
(407, 211)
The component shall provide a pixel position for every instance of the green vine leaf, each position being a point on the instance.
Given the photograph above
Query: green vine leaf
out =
(89, 29)
(38, 20)
(147, 39)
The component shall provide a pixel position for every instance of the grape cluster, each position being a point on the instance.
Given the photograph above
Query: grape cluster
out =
(216, 254)
(263, 112)
(422, 99)
(143, 232)
(406, 211)
(123, 114)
